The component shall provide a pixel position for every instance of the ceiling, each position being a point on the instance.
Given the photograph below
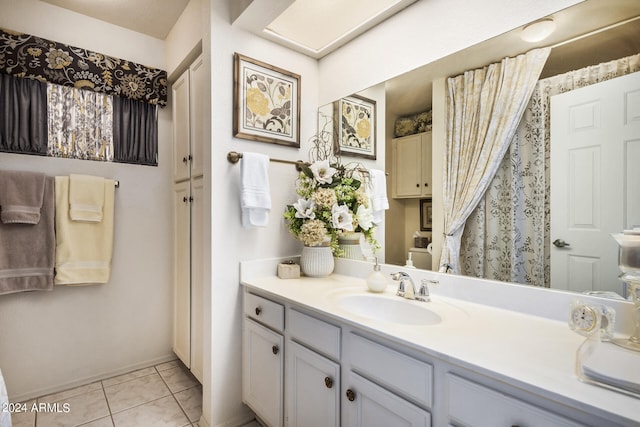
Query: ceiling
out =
(152, 17)
(411, 92)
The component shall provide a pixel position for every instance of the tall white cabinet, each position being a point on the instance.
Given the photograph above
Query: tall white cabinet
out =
(188, 211)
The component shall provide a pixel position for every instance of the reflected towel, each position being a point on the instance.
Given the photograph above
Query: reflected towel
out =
(378, 194)
(255, 198)
(27, 251)
(21, 197)
(86, 197)
(83, 249)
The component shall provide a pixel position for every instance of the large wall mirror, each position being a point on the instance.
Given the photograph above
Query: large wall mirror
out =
(589, 33)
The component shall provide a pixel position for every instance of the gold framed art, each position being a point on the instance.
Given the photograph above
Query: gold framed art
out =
(266, 102)
(355, 127)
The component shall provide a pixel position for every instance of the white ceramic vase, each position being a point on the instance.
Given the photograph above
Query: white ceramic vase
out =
(317, 261)
(349, 242)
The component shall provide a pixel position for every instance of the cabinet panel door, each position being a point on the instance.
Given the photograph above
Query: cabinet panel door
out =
(313, 388)
(198, 93)
(181, 127)
(472, 404)
(373, 406)
(262, 372)
(181, 273)
(407, 170)
(427, 159)
(197, 280)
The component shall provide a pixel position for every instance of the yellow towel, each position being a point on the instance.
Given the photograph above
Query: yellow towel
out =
(86, 197)
(83, 249)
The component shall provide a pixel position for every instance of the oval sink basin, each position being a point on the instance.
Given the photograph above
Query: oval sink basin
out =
(395, 310)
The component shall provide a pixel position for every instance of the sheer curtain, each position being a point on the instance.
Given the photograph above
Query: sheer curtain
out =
(484, 109)
(507, 235)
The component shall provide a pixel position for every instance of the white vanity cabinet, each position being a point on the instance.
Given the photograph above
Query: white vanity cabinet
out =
(335, 372)
(263, 358)
(412, 166)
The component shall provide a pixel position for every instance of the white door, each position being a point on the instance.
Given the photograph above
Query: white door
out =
(181, 273)
(313, 388)
(181, 127)
(366, 404)
(595, 181)
(197, 279)
(262, 372)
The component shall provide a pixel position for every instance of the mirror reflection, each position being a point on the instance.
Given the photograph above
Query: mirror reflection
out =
(530, 248)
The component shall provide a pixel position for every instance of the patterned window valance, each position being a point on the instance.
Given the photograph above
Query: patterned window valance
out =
(24, 55)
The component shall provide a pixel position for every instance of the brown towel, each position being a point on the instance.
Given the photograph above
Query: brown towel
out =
(21, 196)
(27, 252)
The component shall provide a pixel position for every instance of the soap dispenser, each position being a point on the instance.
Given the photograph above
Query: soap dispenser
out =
(409, 263)
(376, 281)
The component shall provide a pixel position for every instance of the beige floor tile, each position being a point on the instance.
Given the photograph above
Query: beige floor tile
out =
(191, 402)
(25, 417)
(128, 377)
(178, 379)
(102, 422)
(66, 394)
(168, 365)
(163, 412)
(136, 392)
(81, 409)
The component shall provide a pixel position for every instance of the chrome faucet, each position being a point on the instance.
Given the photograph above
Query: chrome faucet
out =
(408, 290)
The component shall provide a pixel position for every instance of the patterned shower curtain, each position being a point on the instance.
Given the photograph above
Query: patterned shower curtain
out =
(507, 236)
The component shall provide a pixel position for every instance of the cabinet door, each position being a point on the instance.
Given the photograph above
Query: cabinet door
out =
(366, 404)
(197, 280)
(181, 127)
(427, 159)
(407, 170)
(262, 372)
(198, 93)
(181, 273)
(313, 388)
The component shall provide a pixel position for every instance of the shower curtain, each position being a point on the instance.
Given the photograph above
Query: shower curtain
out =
(507, 236)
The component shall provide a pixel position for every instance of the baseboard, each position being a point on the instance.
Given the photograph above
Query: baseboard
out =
(238, 421)
(90, 379)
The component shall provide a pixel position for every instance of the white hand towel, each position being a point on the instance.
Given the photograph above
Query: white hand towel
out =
(378, 194)
(255, 197)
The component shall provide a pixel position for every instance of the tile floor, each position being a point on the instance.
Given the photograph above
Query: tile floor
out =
(166, 395)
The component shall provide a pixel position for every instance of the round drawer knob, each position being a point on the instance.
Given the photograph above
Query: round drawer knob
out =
(328, 381)
(417, 185)
(258, 311)
(351, 395)
(275, 349)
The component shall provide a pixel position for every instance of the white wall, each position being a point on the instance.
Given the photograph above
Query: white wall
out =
(52, 340)
(424, 32)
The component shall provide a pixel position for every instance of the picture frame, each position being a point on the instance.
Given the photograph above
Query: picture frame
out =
(426, 214)
(266, 102)
(355, 127)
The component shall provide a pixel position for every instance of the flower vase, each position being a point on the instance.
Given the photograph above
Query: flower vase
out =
(349, 242)
(317, 261)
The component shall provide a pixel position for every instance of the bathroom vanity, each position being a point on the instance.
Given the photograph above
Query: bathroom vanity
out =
(325, 351)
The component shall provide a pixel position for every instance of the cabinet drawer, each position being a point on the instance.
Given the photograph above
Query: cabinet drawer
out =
(392, 369)
(471, 404)
(317, 334)
(267, 312)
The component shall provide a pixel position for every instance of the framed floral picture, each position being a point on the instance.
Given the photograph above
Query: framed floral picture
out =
(355, 127)
(426, 214)
(266, 102)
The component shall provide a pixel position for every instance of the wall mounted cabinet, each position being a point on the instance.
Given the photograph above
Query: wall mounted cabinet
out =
(188, 221)
(411, 157)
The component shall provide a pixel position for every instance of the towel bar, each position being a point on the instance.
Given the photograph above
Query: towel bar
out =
(234, 157)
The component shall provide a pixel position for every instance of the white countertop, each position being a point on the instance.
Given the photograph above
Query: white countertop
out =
(531, 352)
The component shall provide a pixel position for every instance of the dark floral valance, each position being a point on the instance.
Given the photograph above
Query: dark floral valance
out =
(24, 55)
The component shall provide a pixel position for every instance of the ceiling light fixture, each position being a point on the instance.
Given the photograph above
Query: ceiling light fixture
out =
(538, 30)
